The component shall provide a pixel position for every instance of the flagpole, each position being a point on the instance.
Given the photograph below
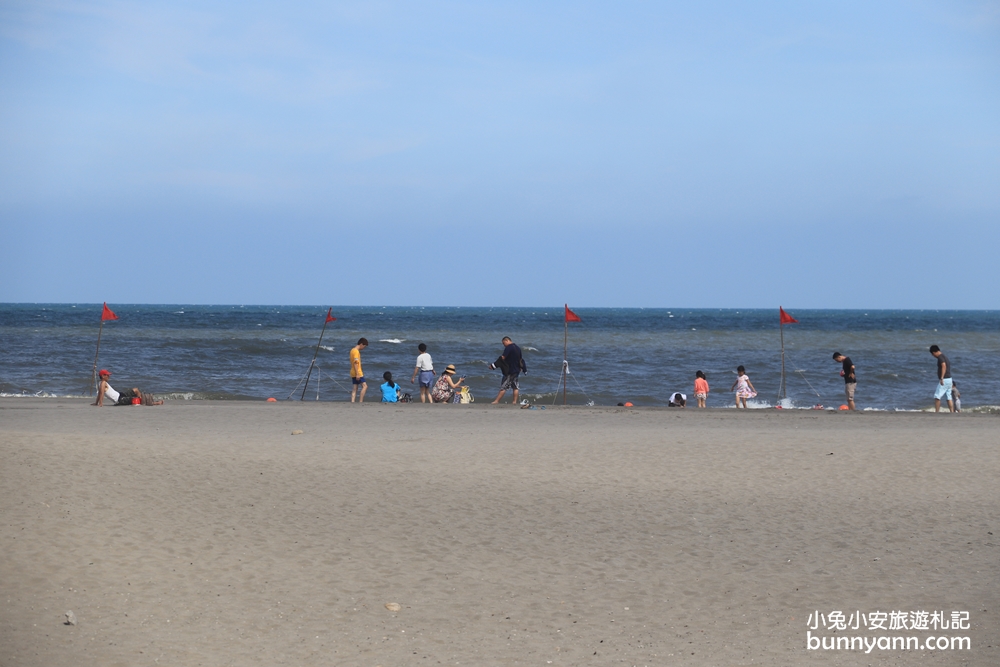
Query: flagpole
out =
(93, 374)
(565, 362)
(781, 328)
(311, 363)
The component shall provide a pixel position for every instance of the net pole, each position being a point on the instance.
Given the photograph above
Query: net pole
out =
(311, 363)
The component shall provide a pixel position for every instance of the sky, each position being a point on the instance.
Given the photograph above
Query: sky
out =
(636, 154)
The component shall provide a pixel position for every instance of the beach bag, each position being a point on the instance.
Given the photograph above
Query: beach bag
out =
(465, 396)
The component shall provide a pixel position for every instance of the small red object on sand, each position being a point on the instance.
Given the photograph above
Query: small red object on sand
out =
(272, 400)
(844, 407)
(136, 401)
(628, 404)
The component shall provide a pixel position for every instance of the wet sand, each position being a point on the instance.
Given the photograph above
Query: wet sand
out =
(205, 533)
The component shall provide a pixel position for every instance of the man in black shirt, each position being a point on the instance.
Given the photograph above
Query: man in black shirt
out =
(512, 364)
(944, 380)
(850, 380)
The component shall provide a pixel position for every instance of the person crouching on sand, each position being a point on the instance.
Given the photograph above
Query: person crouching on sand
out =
(126, 397)
(700, 388)
(445, 388)
(743, 386)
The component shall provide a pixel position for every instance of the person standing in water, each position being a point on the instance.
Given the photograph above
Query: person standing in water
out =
(943, 389)
(700, 388)
(850, 379)
(424, 369)
(743, 386)
(357, 375)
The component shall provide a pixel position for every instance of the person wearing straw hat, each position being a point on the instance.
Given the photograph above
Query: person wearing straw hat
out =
(445, 387)
(126, 397)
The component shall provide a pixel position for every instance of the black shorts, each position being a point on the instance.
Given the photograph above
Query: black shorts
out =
(125, 397)
(509, 382)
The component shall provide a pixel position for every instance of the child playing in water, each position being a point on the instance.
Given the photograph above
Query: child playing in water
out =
(743, 386)
(700, 388)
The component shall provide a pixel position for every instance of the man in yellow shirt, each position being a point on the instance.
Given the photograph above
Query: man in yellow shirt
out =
(357, 375)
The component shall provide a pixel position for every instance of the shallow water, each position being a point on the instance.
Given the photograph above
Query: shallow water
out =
(615, 355)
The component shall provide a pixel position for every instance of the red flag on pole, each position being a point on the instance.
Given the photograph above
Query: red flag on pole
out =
(785, 317)
(329, 315)
(571, 316)
(106, 314)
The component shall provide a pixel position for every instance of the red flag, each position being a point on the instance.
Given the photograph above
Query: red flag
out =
(329, 315)
(571, 316)
(785, 317)
(106, 314)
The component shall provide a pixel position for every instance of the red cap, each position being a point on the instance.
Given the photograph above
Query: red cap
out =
(104, 371)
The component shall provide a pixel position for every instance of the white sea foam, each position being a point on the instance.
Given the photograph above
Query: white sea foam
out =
(753, 405)
(534, 349)
(394, 341)
(327, 348)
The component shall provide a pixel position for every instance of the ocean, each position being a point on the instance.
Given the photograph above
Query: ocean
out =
(615, 354)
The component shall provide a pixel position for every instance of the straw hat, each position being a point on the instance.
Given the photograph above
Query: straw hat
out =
(450, 370)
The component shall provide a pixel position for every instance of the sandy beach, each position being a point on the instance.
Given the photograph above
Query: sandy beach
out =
(206, 533)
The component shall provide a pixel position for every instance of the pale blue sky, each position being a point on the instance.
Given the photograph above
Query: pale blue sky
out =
(634, 154)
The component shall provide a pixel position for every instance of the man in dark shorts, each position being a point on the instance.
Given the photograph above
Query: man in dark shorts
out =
(944, 380)
(512, 364)
(850, 379)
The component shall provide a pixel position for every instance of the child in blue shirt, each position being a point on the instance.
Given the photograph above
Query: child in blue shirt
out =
(390, 390)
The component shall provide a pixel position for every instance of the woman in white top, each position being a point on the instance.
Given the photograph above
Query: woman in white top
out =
(125, 397)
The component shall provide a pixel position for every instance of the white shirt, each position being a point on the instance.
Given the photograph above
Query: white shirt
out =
(424, 362)
(111, 393)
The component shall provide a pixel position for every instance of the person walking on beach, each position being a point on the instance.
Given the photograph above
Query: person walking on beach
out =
(700, 388)
(357, 375)
(944, 380)
(743, 386)
(424, 369)
(512, 364)
(850, 379)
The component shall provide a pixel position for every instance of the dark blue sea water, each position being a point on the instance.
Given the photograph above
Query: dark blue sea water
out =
(615, 355)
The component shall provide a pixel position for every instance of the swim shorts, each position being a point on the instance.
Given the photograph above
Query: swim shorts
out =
(509, 382)
(849, 388)
(943, 390)
(360, 380)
